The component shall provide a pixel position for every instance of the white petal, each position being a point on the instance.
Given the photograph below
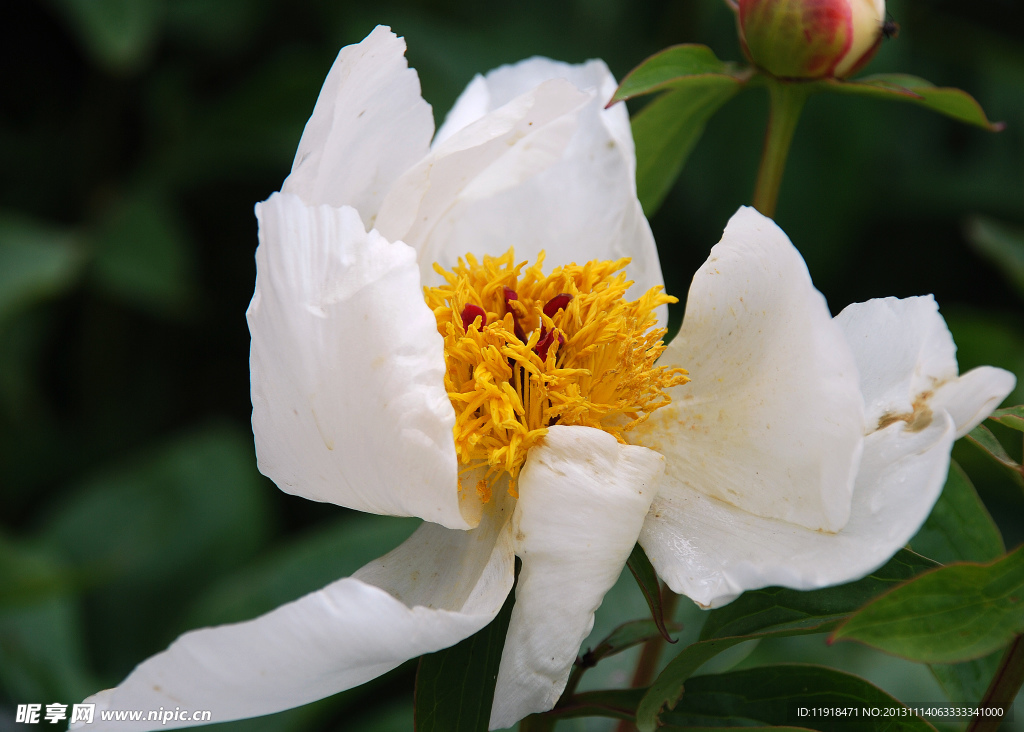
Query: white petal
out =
(903, 350)
(369, 126)
(582, 501)
(772, 421)
(711, 551)
(548, 169)
(501, 85)
(972, 397)
(347, 368)
(450, 584)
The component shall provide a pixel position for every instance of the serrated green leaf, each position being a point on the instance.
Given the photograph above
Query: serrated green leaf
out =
(1002, 245)
(1012, 417)
(671, 65)
(667, 129)
(774, 695)
(455, 686)
(952, 614)
(982, 437)
(779, 608)
(951, 102)
(645, 576)
(965, 683)
(36, 262)
(959, 528)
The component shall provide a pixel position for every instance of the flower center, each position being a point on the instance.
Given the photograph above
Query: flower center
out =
(524, 351)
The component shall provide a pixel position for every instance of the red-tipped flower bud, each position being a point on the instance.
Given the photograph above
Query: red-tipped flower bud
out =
(810, 39)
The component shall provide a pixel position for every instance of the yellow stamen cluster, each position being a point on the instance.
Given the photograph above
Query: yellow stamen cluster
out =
(598, 369)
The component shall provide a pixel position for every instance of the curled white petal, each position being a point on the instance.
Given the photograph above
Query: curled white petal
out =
(973, 396)
(907, 362)
(582, 500)
(437, 588)
(347, 368)
(711, 551)
(368, 127)
(772, 419)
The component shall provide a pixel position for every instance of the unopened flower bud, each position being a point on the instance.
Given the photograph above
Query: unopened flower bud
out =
(810, 39)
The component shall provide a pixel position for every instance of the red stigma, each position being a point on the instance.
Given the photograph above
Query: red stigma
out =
(558, 302)
(470, 313)
(517, 328)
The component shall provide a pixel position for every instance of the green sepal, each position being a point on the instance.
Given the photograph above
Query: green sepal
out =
(455, 686)
(773, 695)
(951, 102)
(623, 638)
(674, 66)
(952, 614)
(645, 576)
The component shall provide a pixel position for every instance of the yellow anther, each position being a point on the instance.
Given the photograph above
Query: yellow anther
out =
(590, 360)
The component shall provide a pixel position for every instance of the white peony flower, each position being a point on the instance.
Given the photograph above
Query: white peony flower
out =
(521, 414)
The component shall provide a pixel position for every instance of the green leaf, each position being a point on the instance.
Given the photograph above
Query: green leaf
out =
(959, 528)
(1012, 417)
(295, 569)
(645, 576)
(779, 608)
(667, 129)
(774, 695)
(36, 262)
(1002, 245)
(673, 64)
(952, 614)
(982, 437)
(965, 683)
(119, 34)
(455, 686)
(143, 256)
(953, 103)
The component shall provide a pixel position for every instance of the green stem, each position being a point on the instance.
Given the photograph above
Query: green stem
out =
(1004, 687)
(786, 102)
(647, 666)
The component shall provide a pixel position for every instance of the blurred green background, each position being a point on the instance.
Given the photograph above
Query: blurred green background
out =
(135, 137)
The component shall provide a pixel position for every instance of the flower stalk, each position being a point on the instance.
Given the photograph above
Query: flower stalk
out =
(786, 100)
(1004, 687)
